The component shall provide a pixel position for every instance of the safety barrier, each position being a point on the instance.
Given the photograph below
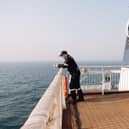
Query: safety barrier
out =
(100, 78)
(48, 112)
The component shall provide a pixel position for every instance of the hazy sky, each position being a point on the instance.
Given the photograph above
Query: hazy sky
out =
(37, 30)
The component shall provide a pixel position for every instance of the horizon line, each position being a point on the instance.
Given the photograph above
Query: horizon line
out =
(60, 61)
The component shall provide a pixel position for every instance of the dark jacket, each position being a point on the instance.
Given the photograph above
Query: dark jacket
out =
(71, 65)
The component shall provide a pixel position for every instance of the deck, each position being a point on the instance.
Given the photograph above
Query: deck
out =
(98, 112)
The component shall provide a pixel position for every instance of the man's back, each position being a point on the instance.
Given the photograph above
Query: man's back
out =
(72, 65)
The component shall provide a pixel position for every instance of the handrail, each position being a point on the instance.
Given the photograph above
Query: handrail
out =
(102, 66)
(48, 111)
(100, 78)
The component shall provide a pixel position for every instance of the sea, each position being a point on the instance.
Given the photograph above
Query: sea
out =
(21, 86)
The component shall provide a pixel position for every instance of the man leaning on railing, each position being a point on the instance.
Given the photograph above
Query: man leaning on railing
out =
(73, 69)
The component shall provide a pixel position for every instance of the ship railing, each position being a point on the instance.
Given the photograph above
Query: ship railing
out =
(100, 78)
(48, 112)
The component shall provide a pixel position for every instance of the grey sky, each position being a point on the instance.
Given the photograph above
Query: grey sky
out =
(37, 30)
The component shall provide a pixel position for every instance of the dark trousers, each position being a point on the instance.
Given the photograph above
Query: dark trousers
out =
(75, 86)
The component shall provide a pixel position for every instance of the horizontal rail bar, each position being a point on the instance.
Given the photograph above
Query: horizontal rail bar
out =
(102, 66)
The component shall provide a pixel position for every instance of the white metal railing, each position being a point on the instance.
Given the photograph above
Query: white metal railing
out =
(48, 112)
(100, 78)
(124, 79)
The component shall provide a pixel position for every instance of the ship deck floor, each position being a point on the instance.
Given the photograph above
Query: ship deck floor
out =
(98, 112)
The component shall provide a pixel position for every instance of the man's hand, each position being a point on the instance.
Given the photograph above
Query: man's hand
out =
(55, 65)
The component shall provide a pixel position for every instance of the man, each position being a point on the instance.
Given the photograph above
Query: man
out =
(73, 69)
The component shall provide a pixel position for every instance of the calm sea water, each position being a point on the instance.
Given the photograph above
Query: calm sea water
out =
(21, 86)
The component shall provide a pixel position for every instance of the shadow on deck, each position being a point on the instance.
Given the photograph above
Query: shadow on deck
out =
(98, 112)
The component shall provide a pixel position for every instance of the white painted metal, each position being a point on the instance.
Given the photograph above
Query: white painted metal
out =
(127, 29)
(103, 81)
(100, 66)
(122, 84)
(97, 72)
(124, 79)
(115, 71)
(48, 112)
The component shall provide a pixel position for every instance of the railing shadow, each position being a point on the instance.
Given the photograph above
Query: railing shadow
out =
(77, 116)
(71, 117)
(67, 118)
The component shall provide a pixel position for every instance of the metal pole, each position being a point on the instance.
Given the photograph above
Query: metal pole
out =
(103, 81)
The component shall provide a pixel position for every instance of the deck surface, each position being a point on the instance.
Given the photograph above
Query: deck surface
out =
(99, 112)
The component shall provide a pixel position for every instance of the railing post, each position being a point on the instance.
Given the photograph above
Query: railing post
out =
(103, 81)
(110, 78)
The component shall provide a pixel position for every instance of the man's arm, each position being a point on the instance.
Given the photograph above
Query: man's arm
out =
(60, 65)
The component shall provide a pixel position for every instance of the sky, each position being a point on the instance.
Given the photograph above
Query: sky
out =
(37, 30)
